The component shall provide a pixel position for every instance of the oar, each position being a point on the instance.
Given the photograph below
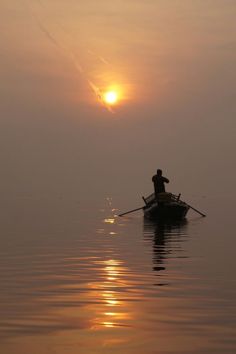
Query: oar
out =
(130, 211)
(197, 211)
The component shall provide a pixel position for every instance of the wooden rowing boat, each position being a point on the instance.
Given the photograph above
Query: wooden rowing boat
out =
(167, 207)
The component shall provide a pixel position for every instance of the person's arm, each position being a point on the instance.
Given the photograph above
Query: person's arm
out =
(166, 180)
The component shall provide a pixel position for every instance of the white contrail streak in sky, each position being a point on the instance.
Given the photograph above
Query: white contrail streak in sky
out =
(99, 57)
(48, 34)
(44, 29)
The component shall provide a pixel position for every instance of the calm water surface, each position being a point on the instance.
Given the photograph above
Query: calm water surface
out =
(81, 280)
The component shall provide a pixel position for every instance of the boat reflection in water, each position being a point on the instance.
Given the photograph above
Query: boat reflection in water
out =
(166, 239)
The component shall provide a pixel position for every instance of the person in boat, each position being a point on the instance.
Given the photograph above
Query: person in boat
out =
(159, 183)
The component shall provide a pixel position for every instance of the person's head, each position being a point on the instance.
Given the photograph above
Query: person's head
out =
(159, 172)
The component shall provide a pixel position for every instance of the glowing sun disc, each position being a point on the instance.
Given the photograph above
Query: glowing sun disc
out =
(111, 97)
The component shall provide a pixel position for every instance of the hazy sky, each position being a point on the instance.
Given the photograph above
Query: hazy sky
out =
(172, 60)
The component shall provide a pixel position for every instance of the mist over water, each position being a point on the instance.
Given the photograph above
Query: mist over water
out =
(75, 278)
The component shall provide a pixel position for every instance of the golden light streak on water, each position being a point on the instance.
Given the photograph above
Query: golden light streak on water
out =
(108, 324)
(109, 221)
(109, 293)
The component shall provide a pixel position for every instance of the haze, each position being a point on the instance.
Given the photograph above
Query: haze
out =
(175, 64)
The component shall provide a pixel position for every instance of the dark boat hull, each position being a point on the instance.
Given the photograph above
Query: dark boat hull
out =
(166, 211)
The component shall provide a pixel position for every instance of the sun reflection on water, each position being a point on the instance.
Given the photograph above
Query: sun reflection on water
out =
(109, 221)
(111, 312)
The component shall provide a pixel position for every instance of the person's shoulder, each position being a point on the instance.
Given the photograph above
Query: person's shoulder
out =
(154, 177)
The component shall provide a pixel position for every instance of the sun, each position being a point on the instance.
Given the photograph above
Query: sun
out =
(111, 97)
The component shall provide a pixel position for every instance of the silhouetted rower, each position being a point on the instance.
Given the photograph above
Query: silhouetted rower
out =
(159, 183)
